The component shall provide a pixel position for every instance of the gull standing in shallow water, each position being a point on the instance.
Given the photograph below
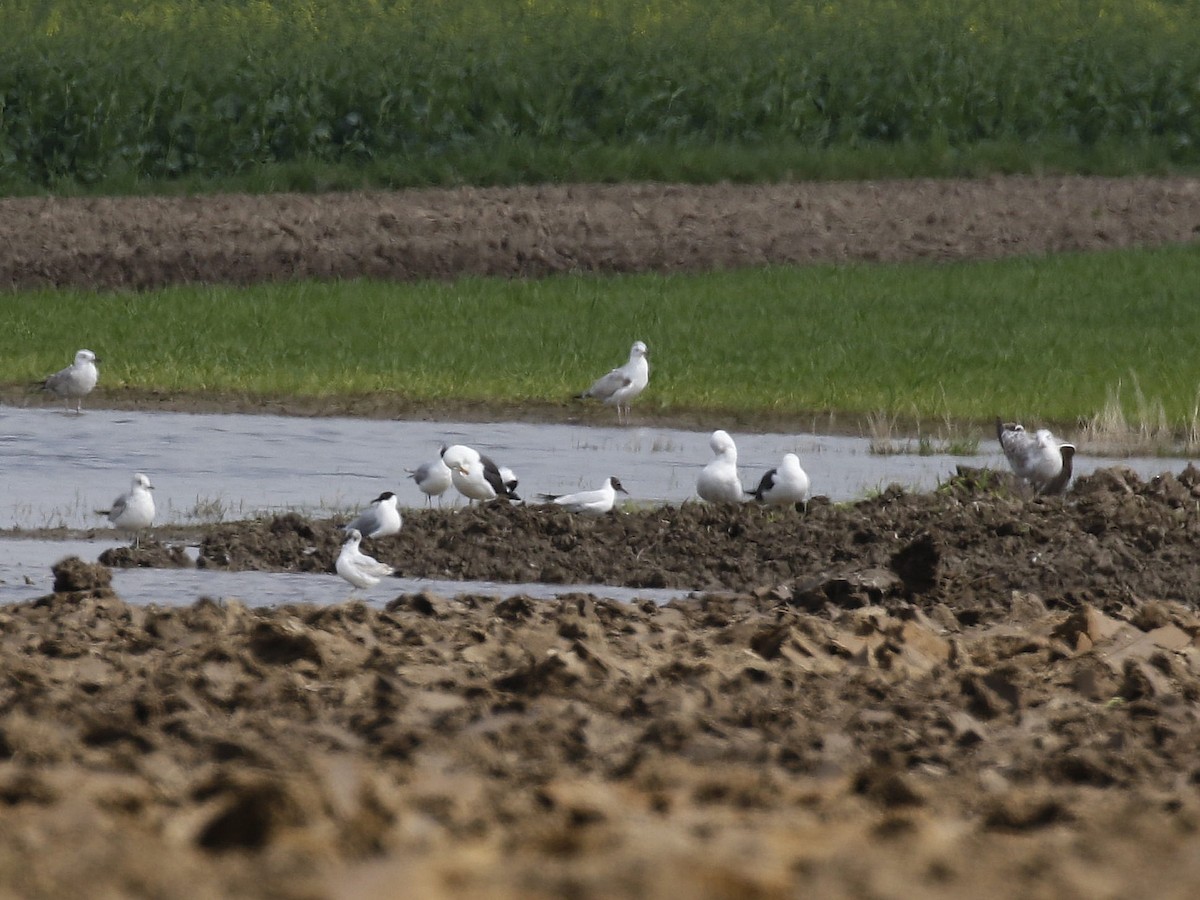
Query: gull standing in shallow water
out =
(380, 519)
(477, 477)
(719, 482)
(1039, 458)
(622, 384)
(589, 503)
(432, 478)
(356, 567)
(75, 381)
(784, 486)
(133, 511)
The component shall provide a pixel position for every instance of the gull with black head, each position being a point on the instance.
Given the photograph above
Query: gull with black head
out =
(589, 503)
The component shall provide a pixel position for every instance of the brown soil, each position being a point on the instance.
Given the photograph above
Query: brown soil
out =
(135, 242)
(973, 692)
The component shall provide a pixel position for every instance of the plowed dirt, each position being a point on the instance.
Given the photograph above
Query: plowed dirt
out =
(973, 692)
(137, 242)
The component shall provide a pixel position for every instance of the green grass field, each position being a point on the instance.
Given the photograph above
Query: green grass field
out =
(1050, 339)
(153, 95)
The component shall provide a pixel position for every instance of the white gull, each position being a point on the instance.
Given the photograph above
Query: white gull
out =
(786, 485)
(380, 519)
(356, 567)
(622, 384)
(719, 482)
(432, 478)
(133, 511)
(589, 503)
(477, 477)
(74, 382)
(1039, 458)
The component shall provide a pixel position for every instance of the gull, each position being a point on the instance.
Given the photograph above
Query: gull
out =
(477, 477)
(589, 503)
(133, 511)
(1039, 458)
(783, 486)
(623, 383)
(75, 381)
(718, 482)
(432, 478)
(356, 567)
(380, 519)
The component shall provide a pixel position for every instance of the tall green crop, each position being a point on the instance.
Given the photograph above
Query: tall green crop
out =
(100, 89)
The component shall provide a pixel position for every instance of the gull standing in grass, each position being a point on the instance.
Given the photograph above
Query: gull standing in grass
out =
(477, 477)
(1039, 458)
(356, 567)
(719, 482)
(622, 384)
(75, 381)
(786, 485)
(589, 503)
(432, 478)
(380, 519)
(133, 511)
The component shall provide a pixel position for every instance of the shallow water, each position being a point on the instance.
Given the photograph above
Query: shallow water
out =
(25, 574)
(60, 467)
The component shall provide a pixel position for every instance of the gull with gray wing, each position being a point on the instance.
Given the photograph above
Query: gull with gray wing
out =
(133, 511)
(589, 503)
(1041, 459)
(74, 382)
(622, 384)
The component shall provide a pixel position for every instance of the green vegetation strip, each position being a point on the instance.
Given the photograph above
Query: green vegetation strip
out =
(132, 94)
(1053, 338)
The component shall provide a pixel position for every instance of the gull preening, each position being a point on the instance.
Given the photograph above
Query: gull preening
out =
(719, 482)
(477, 477)
(133, 511)
(380, 519)
(75, 381)
(589, 503)
(432, 478)
(786, 485)
(1039, 458)
(356, 567)
(622, 384)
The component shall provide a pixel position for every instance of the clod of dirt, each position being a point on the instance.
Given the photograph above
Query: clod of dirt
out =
(73, 574)
(148, 555)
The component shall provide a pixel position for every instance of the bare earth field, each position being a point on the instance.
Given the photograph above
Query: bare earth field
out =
(973, 692)
(141, 242)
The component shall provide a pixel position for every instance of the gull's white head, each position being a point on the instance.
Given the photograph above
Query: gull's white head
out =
(721, 443)
(83, 357)
(141, 481)
(353, 536)
(791, 461)
(460, 457)
(638, 350)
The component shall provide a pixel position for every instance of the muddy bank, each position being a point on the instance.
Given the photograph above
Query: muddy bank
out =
(1112, 540)
(745, 745)
(141, 242)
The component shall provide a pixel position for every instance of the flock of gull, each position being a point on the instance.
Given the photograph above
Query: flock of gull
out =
(1040, 459)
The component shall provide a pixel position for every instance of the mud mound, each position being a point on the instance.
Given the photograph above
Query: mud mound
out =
(289, 542)
(1112, 541)
(73, 575)
(139, 242)
(719, 747)
(148, 555)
